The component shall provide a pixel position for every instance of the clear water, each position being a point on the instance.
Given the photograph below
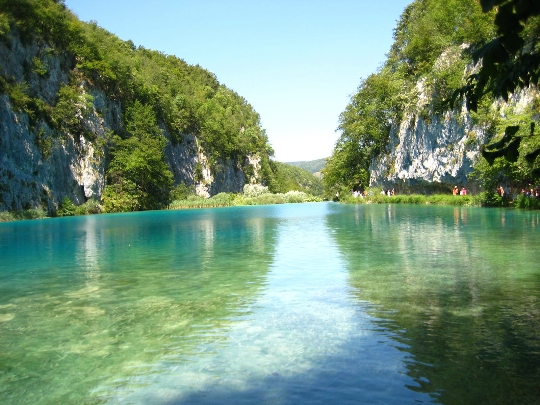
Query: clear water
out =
(289, 304)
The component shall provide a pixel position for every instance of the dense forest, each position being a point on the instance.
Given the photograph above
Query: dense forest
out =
(288, 176)
(163, 101)
(460, 51)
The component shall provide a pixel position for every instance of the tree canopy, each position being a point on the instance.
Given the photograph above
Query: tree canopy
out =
(437, 45)
(138, 176)
(511, 60)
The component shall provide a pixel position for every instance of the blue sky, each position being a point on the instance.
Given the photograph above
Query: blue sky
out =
(295, 61)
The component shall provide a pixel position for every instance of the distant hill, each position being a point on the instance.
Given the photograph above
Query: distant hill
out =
(288, 177)
(313, 166)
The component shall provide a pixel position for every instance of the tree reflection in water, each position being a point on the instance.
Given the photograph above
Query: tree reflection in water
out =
(460, 287)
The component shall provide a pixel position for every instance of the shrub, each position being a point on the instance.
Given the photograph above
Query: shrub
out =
(121, 197)
(296, 197)
(527, 202)
(6, 216)
(182, 191)
(193, 201)
(488, 199)
(33, 213)
(66, 208)
(254, 195)
(266, 199)
(222, 199)
(88, 208)
(18, 95)
(255, 190)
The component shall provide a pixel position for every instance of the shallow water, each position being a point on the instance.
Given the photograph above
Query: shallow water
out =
(306, 303)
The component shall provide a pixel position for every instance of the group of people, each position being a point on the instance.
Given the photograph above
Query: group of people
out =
(532, 193)
(388, 192)
(363, 194)
(360, 194)
(509, 193)
(504, 192)
(457, 191)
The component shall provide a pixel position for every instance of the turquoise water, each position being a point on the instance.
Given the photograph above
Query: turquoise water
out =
(286, 304)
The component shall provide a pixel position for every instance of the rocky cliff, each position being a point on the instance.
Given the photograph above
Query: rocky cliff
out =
(430, 153)
(40, 164)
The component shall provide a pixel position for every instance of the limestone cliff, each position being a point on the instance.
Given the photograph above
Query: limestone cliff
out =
(41, 164)
(433, 152)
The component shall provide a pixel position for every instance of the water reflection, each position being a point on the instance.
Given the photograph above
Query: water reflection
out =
(302, 341)
(321, 303)
(87, 256)
(96, 301)
(460, 287)
(206, 230)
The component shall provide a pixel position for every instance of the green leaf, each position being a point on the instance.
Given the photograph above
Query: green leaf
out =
(490, 156)
(511, 152)
(509, 132)
(487, 5)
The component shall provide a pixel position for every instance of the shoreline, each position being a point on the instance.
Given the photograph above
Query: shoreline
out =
(479, 200)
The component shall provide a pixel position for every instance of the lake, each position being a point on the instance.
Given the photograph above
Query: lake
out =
(286, 304)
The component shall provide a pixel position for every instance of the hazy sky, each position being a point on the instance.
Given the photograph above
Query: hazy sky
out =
(295, 61)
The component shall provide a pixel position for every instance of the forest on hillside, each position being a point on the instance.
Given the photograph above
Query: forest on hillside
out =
(462, 51)
(158, 94)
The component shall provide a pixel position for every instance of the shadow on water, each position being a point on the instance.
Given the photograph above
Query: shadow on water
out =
(460, 287)
(350, 385)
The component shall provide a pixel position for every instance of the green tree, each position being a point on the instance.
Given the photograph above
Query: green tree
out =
(287, 177)
(71, 108)
(509, 62)
(67, 208)
(138, 176)
(427, 28)
(184, 99)
(365, 129)
(433, 44)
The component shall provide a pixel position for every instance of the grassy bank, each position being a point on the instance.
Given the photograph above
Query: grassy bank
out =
(6, 216)
(67, 208)
(484, 199)
(229, 200)
(439, 199)
(251, 196)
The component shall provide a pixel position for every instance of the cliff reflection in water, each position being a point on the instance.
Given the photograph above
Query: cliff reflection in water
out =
(99, 300)
(460, 287)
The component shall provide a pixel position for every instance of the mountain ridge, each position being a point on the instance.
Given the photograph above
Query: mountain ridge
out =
(312, 166)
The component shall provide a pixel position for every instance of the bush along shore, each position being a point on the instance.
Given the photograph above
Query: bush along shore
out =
(376, 195)
(253, 194)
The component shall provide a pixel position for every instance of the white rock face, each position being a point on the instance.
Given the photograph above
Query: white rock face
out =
(423, 155)
(436, 153)
(39, 166)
